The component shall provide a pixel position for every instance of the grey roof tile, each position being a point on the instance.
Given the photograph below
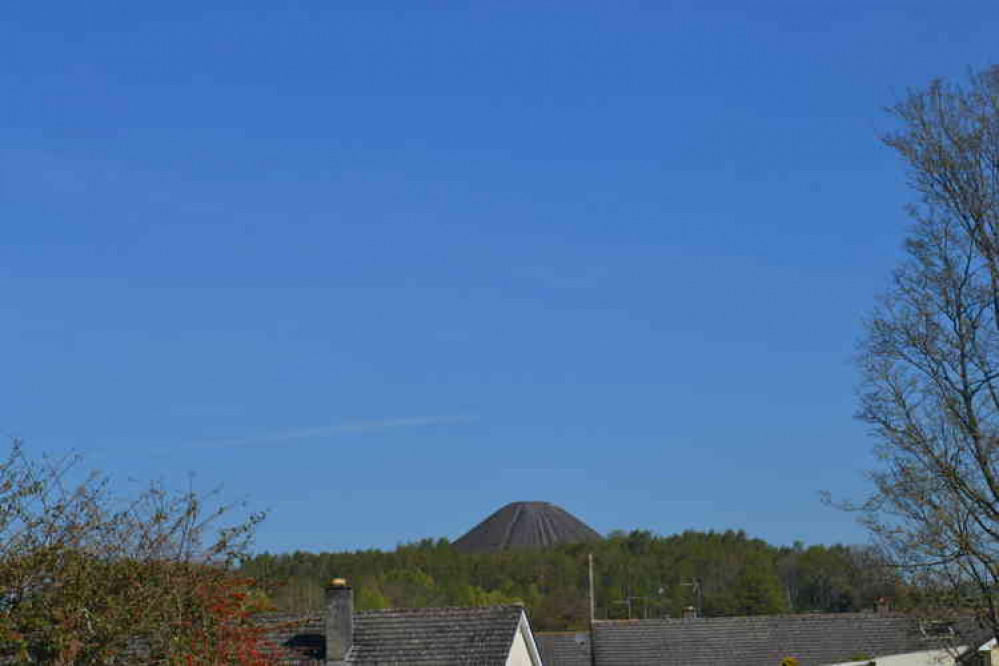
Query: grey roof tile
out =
(747, 641)
(564, 648)
(481, 635)
(759, 640)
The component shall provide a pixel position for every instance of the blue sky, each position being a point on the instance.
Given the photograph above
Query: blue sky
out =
(381, 271)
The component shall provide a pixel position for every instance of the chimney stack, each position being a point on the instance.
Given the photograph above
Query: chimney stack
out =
(339, 621)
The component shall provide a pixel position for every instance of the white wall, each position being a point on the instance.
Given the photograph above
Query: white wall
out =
(519, 654)
(523, 652)
(927, 658)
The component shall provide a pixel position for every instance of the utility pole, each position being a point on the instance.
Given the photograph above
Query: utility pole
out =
(593, 617)
(695, 585)
(593, 613)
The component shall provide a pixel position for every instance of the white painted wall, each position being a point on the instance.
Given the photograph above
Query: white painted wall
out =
(523, 652)
(519, 654)
(926, 658)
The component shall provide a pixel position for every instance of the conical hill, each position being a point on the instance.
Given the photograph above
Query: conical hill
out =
(525, 525)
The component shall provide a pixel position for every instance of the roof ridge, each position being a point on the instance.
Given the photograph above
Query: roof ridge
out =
(778, 616)
(431, 609)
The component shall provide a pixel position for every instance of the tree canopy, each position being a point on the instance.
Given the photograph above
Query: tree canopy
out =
(637, 573)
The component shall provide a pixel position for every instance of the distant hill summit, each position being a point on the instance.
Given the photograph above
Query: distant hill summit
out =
(520, 525)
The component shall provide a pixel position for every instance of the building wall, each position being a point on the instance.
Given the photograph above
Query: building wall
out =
(927, 658)
(519, 654)
(523, 652)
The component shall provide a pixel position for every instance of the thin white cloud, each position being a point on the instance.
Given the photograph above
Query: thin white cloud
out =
(360, 427)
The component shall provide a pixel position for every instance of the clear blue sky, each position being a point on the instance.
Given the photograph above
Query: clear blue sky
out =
(383, 271)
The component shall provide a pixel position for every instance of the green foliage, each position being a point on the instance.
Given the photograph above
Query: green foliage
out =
(370, 597)
(410, 587)
(756, 590)
(722, 573)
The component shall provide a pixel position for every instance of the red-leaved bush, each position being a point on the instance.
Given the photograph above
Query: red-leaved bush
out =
(89, 578)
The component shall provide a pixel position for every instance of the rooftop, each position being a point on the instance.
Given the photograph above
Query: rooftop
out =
(480, 635)
(749, 641)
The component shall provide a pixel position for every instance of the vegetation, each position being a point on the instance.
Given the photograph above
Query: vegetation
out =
(639, 573)
(930, 359)
(86, 577)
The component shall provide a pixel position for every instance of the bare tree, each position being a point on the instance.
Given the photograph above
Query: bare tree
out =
(930, 356)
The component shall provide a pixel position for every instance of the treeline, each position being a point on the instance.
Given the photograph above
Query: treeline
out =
(637, 574)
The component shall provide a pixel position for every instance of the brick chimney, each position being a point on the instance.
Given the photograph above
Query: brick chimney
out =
(339, 623)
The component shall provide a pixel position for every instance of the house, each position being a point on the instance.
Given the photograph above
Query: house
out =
(489, 635)
(986, 654)
(828, 639)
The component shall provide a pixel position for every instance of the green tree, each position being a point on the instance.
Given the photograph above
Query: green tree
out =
(409, 588)
(724, 573)
(757, 590)
(370, 597)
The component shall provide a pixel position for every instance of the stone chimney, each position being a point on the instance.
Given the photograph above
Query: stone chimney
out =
(339, 623)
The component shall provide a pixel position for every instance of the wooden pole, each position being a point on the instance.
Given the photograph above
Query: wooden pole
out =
(593, 617)
(592, 602)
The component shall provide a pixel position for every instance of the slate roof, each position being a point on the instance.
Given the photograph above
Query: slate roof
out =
(747, 641)
(525, 525)
(564, 648)
(443, 636)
